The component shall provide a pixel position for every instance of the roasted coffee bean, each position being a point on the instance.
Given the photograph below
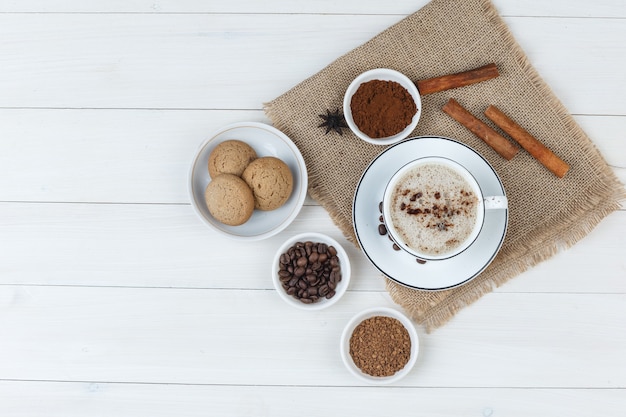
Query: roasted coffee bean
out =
(420, 261)
(323, 290)
(310, 271)
(396, 247)
(380, 206)
(382, 229)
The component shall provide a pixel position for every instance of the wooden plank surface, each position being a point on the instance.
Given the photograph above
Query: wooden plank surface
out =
(166, 246)
(159, 400)
(533, 8)
(203, 61)
(143, 156)
(116, 300)
(230, 337)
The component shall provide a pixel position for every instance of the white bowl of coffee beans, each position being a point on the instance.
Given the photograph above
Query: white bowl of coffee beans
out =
(379, 345)
(311, 271)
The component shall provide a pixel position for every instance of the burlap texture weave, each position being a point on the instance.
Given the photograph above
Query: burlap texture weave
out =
(449, 36)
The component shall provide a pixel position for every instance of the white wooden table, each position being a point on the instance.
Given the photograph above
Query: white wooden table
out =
(115, 300)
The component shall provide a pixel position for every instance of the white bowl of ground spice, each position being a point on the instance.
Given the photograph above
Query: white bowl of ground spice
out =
(379, 345)
(382, 106)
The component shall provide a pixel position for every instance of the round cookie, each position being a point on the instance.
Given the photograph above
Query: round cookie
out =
(271, 182)
(229, 199)
(230, 157)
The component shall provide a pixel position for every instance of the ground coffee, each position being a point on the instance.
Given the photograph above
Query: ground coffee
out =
(382, 108)
(380, 346)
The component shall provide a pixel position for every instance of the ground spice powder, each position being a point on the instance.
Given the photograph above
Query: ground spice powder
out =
(382, 108)
(380, 346)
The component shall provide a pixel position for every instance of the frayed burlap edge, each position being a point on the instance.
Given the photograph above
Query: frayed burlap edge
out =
(432, 309)
(443, 308)
(583, 217)
(316, 192)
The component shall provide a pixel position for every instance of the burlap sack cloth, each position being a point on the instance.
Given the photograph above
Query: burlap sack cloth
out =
(449, 36)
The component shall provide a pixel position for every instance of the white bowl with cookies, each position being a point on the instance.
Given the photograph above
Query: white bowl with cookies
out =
(248, 181)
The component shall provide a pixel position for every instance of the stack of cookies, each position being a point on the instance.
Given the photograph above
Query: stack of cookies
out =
(242, 182)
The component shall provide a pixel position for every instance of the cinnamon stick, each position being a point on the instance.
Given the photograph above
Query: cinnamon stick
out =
(537, 149)
(492, 138)
(461, 79)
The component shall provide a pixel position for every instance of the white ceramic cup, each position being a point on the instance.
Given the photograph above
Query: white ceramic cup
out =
(483, 203)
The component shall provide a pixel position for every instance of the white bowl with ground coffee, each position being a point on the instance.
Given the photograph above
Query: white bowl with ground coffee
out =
(382, 106)
(379, 345)
(434, 208)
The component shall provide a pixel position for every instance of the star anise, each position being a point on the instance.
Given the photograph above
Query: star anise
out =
(333, 121)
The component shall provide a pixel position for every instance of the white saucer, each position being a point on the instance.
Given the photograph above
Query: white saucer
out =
(401, 266)
(266, 141)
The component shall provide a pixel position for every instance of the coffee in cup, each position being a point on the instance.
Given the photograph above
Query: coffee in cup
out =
(434, 208)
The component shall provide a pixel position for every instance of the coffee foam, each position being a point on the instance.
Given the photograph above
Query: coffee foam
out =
(433, 209)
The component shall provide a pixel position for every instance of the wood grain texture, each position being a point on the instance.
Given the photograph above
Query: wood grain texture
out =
(143, 156)
(532, 8)
(116, 300)
(230, 337)
(203, 61)
(166, 246)
(159, 400)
